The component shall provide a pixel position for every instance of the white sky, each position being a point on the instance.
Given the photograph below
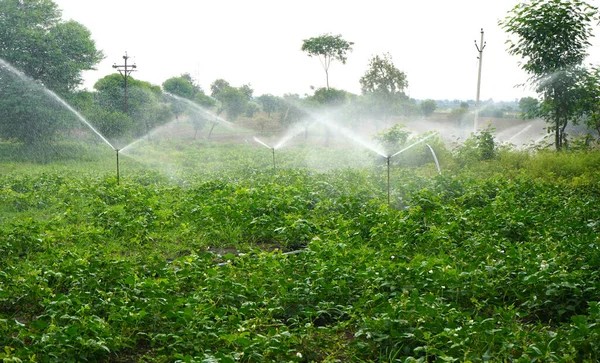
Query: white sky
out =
(259, 41)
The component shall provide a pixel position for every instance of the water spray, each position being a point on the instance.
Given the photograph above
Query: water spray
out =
(435, 159)
(54, 96)
(399, 152)
(519, 133)
(268, 147)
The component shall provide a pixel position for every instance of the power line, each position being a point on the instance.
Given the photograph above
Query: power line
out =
(480, 50)
(125, 70)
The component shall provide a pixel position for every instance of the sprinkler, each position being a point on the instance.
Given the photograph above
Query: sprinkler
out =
(117, 150)
(388, 178)
(268, 147)
(399, 152)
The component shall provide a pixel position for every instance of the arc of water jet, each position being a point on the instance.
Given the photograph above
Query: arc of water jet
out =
(291, 134)
(347, 133)
(401, 151)
(410, 146)
(342, 130)
(542, 138)
(519, 133)
(268, 147)
(24, 77)
(133, 144)
(201, 109)
(262, 143)
(435, 159)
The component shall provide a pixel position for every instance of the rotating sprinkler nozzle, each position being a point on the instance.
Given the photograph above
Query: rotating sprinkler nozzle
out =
(388, 157)
(267, 146)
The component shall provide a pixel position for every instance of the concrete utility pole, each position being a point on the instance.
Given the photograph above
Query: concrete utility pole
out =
(125, 70)
(480, 50)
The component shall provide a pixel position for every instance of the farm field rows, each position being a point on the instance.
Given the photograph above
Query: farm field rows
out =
(231, 260)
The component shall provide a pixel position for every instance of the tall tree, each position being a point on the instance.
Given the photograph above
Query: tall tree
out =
(327, 48)
(330, 97)
(34, 39)
(528, 107)
(269, 103)
(427, 107)
(145, 101)
(179, 86)
(218, 86)
(384, 84)
(552, 37)
(234, 102)
(247, 90)
(27, 112)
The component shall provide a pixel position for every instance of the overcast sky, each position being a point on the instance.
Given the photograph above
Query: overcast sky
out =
(258, 42)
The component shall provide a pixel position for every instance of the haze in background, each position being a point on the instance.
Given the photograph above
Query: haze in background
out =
(258, 42)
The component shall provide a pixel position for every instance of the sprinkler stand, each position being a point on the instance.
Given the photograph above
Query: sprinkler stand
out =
(388, 178)
(117, 150)
(273, 149)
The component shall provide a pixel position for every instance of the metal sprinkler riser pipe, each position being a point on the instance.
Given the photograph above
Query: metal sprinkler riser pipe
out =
(388, 178)
(118, 177)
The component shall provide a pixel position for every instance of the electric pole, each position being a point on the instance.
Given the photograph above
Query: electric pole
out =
(480, 48)
(125, 70)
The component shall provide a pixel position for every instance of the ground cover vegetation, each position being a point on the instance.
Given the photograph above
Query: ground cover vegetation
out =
(492, 260)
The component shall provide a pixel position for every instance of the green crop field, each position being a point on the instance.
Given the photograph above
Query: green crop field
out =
(203, 252)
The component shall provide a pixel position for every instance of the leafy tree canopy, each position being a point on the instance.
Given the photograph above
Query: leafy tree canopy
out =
(551, 35)
(247, 90)
(52, 53)
(218, 86)
(35, 40)
(269, 103)
(552, 38)
(330, 97)
(428, 107)
(327, 48)
(382, 76)
(144, 101)
(383, 84)
(179, 86)
(528, 107)
(233, 101)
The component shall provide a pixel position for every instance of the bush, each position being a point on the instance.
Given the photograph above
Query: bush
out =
(479, 147)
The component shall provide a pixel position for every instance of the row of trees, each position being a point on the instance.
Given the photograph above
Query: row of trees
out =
(551, 35)
(54, 53)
